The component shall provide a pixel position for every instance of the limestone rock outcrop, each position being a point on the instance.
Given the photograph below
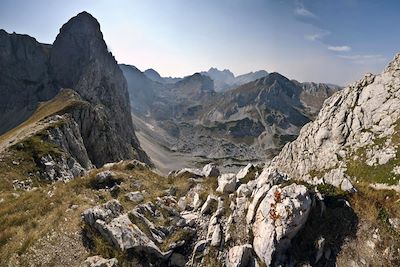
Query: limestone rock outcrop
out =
(116, 227)
(98, 261)
(281, 214)
(356, 123)
(239, 256)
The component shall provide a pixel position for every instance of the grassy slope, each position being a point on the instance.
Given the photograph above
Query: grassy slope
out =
(24, 220)
(60, 103)
(358, 169)
(26, 216)
(22, 147)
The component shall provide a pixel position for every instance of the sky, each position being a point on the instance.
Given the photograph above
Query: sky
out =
(310, 40)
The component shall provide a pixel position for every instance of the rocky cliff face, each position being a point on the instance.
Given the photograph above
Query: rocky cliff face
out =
(78, 59)
(143, 92)
(24, 78)
(357, 128)
(313, 95)
(72, 160)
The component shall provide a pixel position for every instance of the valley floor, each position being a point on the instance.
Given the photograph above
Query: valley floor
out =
(152, 142)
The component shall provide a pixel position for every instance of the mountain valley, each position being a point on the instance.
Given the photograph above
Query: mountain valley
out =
(103, 165)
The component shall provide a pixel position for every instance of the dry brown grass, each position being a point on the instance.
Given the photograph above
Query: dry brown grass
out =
(377, 206)
(27, 218)
(59, 104)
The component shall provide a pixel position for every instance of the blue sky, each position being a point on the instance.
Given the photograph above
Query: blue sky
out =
(315, 40)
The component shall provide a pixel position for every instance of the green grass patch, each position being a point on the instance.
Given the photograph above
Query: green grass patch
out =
(358, 169)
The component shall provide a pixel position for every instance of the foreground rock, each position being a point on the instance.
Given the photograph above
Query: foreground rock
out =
(239, 256)
(227, 183)
(98, 261)
(281, 214)
(211, 170)
(355, 129)
(118, 230)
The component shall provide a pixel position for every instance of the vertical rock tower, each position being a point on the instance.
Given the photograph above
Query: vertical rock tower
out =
(80, 60)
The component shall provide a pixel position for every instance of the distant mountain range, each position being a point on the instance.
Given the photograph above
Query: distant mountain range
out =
(251, 121)
(224, 80)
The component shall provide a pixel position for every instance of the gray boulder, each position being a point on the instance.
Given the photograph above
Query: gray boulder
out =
(135, 196)
(227, 183)
(239, 256)
(281, 214)
(211, 170)
(118, 230)
(98, 261)
(208, 204)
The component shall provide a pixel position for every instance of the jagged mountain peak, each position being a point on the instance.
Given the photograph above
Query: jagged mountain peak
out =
(276, 83)
(196, 82)
(224, 71)
(195, 77)
(83, 22)
(394, 65)
(131, 67)
(153, 75)
(78, 44)
(80, 60)
(273, 76)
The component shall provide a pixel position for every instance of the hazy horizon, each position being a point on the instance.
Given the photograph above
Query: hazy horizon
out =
(321, 41)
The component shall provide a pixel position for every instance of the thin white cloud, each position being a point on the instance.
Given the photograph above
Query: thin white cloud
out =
(302, 11)
(316, 36)
(343, 48)
(357, 57)
(362, 59)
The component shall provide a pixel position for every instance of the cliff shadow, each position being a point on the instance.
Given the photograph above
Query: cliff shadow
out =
(331, 220)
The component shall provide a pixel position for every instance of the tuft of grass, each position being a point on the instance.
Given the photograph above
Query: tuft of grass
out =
(211, 258)
(377, 206)
(182, 184)
(209, 186)
(328, 190)
(34, 214)
(37, 147)
(357, 168)
(251, 175)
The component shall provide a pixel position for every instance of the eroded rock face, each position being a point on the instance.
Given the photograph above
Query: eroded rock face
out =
(239, 256)
(68, 137)
(227, 183)
(24, 80)
(244, 171)
(105, 212)
(231, 228)
(80, 60)
(116, 227)
(211, 170)
(69, 158)
(355, 118)
(279, 217)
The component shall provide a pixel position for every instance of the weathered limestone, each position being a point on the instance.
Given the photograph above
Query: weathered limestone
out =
(279, 217)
